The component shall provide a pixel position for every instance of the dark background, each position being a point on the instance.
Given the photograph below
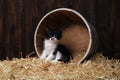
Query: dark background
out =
(19, 18)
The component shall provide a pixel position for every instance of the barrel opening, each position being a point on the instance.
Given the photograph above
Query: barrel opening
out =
(76, 36)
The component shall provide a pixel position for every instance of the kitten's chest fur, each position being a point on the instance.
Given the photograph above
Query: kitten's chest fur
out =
(49, 47)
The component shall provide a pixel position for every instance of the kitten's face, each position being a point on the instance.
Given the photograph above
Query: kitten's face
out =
(53, 35)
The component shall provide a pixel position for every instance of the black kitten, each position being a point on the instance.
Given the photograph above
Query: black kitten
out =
(54, 51)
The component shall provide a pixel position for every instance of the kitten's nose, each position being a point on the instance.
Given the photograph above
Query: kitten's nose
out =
(52, 38)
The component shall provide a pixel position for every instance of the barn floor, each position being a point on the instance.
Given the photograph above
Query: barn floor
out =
(98, 68)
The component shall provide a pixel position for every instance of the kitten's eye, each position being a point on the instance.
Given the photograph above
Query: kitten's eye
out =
(56, 36)
(51, 35)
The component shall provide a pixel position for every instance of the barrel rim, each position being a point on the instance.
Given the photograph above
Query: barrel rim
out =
(79, 15)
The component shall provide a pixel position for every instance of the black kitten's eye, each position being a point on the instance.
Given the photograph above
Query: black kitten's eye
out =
(51, 34)
(56, 36)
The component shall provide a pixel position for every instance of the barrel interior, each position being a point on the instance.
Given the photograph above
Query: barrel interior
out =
(75, 33)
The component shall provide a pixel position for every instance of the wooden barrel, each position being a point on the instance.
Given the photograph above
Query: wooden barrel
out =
(78, 34)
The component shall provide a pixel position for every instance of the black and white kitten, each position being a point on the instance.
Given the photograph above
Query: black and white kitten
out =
(53, 51)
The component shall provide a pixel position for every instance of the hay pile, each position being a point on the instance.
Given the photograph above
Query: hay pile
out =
(98, 68)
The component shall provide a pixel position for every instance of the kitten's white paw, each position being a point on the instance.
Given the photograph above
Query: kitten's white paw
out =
(54, 61)
(50, 57)
(43, 56)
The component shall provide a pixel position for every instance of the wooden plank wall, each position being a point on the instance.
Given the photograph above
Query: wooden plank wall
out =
(19, 18)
